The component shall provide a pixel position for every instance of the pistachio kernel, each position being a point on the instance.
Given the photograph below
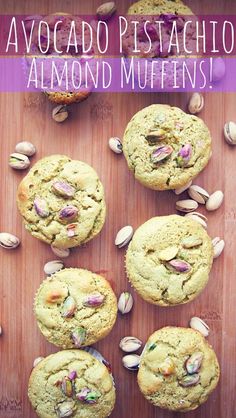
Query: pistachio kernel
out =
(41, 207)
(63, 189)
(190, 380)
(68, 307)
(179, 266)
(194, 362)
(161, 153)
(78, 336)
(94, 300)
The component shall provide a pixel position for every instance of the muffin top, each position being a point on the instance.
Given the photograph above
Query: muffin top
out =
(169, 259)
(165, 147)
(158, 7)
(178, 369)
(62, 201)
(63, 33)
(75, 308)
(167, 12)
(71, 383)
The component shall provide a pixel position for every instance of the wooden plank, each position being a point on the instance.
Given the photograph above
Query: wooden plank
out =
(84, 136)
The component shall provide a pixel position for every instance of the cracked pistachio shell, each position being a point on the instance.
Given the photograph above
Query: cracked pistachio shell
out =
(60, 252)
(25, 148)
(183, 188)
(19, 161)
(215, 200)
(53, 266)
(37, 361)
(115, 145)
(196, 103)
(125, 302)
(123, 236)
(8, 241)
(187, 205)
(198, 193)
(230, 133)
(131, 362)
(130, 344)
(106, 10)
(218, 247)
(60, 113)
(198, 217)
(199, 325)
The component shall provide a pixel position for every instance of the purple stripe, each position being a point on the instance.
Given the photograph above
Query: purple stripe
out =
(117, 75)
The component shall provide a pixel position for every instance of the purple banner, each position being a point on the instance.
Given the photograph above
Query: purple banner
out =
(117, 74)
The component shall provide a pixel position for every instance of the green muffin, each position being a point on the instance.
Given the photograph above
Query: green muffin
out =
(159, 7)
(166, 11)
(75, 308)
(62, 201)
(71, 383)
(169, 259)
(178, 369)
(165, 148)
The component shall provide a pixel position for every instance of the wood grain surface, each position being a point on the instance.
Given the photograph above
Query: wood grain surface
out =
(84, 136)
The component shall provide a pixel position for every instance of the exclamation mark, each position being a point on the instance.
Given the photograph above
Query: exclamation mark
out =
(211, 72)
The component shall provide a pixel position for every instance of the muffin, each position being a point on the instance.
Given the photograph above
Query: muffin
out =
(136, 39)
(62, 201)
(178, 369)
(165, 147)
(169, 259)
(75, 308)
(62, 34)
(159, 7)
(71, 383)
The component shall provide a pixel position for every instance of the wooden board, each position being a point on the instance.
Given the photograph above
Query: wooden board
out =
(84, 136)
